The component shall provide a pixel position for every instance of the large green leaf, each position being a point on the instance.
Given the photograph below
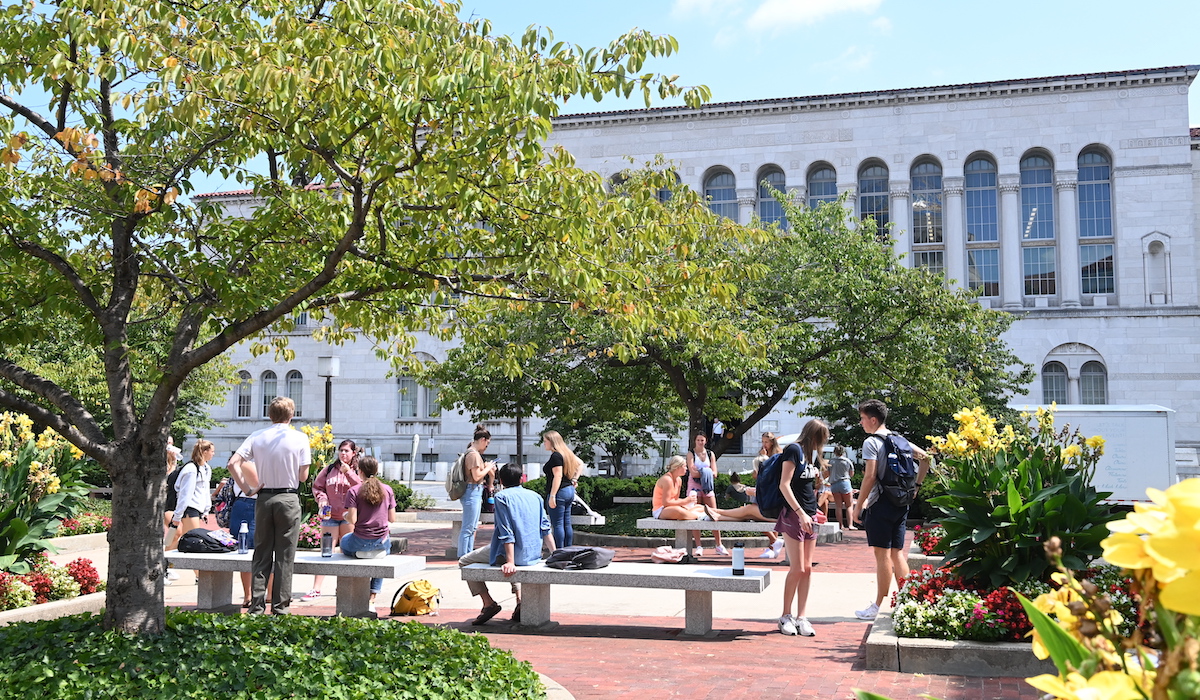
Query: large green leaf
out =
(1067, 652)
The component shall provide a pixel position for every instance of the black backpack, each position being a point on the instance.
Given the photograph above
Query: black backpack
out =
(580, 558)
(201, 541)
(900, 470)
(172, 479)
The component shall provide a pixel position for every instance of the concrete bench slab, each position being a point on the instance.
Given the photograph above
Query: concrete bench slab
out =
(826, 532)
(455, 518)
(632, 499)
(697, 581)
(215, 571)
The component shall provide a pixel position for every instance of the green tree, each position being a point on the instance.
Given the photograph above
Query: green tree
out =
(419, 137)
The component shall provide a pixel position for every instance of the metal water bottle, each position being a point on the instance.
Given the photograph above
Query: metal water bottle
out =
(326, 544)
(739, 559)
(244, 539)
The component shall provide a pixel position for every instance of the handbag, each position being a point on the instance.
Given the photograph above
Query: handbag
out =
(580, 558)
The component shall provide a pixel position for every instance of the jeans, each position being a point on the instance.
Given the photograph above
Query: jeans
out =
(560, 516)
(352, 543)
(472, 504)
(242, 512)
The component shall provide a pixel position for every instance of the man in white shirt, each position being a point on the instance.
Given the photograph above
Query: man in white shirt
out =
(281, 455)
(884, 522)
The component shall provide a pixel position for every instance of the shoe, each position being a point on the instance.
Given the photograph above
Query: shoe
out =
(867, 613)
(172, 576)
(487, 613)
(778, 546)
(767, 553)
(805, 628)
(698, 551)
(516, 616)
(371, 554)
(787, 626)
(311, 595)
(722, 551)
(245, 604)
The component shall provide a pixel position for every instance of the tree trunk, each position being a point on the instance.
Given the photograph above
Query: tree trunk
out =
(697, 424)
(618, 458)
(134, 603)
(520, 441)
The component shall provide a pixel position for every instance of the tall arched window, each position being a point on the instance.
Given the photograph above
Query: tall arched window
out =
(433, 406)
(295, 391)
(1054, 383)
(1093, 383)
(770, 211)
(822, 185)
(244, 397)
(720, 190)
(873, 195)
(1095, 195)
(406, 388)
(665, 193)
(982, 214)
(927, 202)
(270, 389)
(1037, 198)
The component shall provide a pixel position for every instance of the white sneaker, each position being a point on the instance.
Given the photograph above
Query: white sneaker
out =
(787, 626)
(805, 628)
(767, 553)
(722, 551)
(172, 576)
(698, 551)
(868, 613)
(777, 547)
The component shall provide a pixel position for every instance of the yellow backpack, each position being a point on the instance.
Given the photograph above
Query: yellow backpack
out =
(418, 597)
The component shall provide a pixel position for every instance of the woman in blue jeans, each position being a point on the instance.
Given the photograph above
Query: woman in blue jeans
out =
(371, 508)
(562, 471)
(477, 473)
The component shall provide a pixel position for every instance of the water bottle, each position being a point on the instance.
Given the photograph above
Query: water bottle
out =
(695, 495)
(326, 544)
(326, 512)
(244, 539)
(739, 559)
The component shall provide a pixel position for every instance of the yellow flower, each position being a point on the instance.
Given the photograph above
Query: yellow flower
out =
(1070, 452)
(6, 457)
(76, 453)
(1105, 685)
(1096, 443)
(52, 487)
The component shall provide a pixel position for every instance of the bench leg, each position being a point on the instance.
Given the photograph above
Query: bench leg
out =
(535, 604)
(683, 540)
(354, 596)
(455, 530)
(697, 613)
(214, 590)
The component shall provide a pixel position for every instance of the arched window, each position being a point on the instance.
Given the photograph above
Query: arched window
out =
(1037, 198)
(1054, 383)
(1093, 384)
(665, 193)
(433, 409)
(243, 395)
(873, 196)
(1095, 195)
(822, 186)
(770, 211)
(980, 186)
(406, 388)
(295, 391)
(927, 202)
(720, 190)
(270, 389)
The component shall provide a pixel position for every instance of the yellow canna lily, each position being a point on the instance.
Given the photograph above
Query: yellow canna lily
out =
(1126, 550)
(1105, 685)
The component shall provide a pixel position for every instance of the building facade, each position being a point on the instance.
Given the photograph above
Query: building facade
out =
(1069, 201)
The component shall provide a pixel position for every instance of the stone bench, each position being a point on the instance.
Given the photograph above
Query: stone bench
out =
(215, 572)
(698, 582)
(455, 518)
(624, 500)
(826, 532)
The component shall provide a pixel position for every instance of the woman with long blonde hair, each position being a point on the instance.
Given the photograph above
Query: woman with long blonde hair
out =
(562, 472)
(666, 503)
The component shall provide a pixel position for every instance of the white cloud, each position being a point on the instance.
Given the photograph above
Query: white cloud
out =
(774, 15)
(851, 60)
(691, 9)
(882, 25)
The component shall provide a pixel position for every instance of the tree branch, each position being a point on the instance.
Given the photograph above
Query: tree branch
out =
(89, 437)
(64, 268)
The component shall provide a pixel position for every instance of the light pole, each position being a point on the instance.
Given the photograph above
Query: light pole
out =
(328, 367)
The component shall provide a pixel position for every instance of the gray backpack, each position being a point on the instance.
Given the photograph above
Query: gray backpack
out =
(456, 478)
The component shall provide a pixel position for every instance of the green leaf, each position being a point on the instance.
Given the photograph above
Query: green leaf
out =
(1067, 652)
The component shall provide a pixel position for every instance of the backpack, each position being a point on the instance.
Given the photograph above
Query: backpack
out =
(580, 558)
(899, 480)
(456, 478)
(172, 480)
(201, 541)
(767, 494)
(223, 504)
(418, 597)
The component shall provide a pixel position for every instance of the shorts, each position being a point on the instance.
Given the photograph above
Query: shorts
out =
(841, 486)
(190, 513)
(657, 512)
(788, 524)
(694, 485)
(885, 525)
(333, 522)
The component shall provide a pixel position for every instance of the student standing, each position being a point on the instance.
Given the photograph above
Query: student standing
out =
(562, 471)
(702, 469)
(477, 472)
(797, 479)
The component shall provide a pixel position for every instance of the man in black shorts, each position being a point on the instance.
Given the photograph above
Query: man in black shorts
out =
(883, 521)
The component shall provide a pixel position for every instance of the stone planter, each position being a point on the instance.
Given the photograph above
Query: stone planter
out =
(916, 559)
(80, 543)
(887, 652)
(92, 603)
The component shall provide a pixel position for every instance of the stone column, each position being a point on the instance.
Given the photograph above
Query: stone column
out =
(851, 202)
(900, 213)
(1012, 280)
(746, 200)
(1068, 239)
(954, 236)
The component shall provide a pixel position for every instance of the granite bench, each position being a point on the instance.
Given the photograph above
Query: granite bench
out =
(625, 500)
(698, 583)
(215, 572)
(826, 532)
(455, 518)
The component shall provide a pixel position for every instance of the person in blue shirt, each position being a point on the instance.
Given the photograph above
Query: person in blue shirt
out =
(522, 528)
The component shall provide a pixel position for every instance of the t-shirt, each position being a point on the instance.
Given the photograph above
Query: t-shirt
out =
(870, 450)
(372, 523)
(521, 519)
(802, 478)
(556, 460)
(278, 452)
(840, 469)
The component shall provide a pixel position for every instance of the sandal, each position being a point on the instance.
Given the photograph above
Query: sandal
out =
(245, 604)
(487, 613)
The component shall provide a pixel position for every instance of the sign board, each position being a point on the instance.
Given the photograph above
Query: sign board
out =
(1139, 446)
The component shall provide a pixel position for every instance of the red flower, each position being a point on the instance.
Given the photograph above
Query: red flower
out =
(85, 575)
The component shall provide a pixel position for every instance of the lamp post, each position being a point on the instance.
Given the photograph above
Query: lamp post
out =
(328, 367)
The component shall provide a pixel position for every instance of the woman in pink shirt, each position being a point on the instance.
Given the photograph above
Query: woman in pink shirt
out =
(330, 489)
(370, 508)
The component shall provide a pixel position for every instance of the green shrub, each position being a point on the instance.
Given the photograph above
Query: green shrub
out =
(622, 520)
(263, 657)
(94, 475)
(39, 486)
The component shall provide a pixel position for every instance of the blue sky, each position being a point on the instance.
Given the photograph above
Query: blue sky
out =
(754, 49)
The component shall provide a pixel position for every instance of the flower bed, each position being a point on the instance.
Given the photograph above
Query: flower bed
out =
(929, 539)
(84, 524)
(48, 582)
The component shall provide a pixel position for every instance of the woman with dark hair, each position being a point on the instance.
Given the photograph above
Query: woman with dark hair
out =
(370, 509)
(800, 469)
(562, 472)
(476, 471)
(330, 489)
